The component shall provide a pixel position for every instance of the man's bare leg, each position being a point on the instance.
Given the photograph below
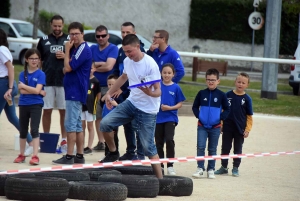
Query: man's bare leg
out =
(91, 131)
(46, 120)
(71, 140)
(156, 167)
(109, 139)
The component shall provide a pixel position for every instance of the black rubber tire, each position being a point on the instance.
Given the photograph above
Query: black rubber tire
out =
(94, 175)
(69, 176)
(295, 90)
(36, 189)
(4, 177)
(136, 170)
(175, 186)
(104, 191)
(110, 178)
(137, 185)
(141, 185)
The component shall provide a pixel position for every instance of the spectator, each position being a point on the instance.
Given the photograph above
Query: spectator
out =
(162, 53)
(77, 68)
(104, 59)
(31, 83)
(9, 89)
(52, 51)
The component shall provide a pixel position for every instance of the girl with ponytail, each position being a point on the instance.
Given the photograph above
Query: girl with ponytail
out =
(31, 83)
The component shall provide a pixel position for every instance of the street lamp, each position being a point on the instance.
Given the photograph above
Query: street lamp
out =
(196, 49)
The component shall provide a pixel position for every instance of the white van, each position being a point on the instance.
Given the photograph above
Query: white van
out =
(18, 30)
(294, 80)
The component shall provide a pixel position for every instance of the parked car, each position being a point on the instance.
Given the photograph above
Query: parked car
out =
(19, 30)
(294, 80)
(115, 37)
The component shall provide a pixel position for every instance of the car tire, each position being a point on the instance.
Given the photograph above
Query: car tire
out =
(175, 186)
(22, 57)
(91, 190)
(136, 170)
(36, 189)
(79, 176)
(295, 90)
(3, 179)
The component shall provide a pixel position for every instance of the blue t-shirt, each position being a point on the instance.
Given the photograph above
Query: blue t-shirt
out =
(111, 51)
(35, 78)
(170, 95)
(76, 82)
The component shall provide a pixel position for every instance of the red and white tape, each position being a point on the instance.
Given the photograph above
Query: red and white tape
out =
(146, 162)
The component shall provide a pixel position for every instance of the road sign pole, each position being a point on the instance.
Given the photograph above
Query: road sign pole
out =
(252, 48)
(271, 49)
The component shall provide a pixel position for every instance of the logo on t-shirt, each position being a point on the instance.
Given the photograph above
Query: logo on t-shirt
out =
(172, 93)
(55, 48)
(243, 101)
(215, 100)
(48, 43)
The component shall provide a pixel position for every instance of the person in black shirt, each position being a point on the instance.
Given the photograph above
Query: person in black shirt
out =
(52, 51)
(89, 110)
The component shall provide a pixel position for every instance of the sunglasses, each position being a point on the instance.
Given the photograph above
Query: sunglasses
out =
(102, 36)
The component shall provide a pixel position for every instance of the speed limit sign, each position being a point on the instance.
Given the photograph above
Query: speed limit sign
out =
(255, 20)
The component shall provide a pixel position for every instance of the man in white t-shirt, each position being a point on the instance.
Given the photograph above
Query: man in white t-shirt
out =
(141, 106)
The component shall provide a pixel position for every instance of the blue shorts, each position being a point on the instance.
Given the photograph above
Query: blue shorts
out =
(73, 116)
(142, 123)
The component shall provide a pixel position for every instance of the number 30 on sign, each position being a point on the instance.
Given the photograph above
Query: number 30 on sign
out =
(256, 21)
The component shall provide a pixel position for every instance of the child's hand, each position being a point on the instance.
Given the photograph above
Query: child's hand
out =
(246, 134)
(117, 93)
(108, 102)
(165, 107)
(113, 102)
(21, 84)
(43, 93)
(146, 90)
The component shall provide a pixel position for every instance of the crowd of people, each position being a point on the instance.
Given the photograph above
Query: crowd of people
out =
(104, 87)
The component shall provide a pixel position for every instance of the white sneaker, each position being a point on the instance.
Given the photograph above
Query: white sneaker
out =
(211, 174)
(28, 151)
(198, 173)
(171, 171)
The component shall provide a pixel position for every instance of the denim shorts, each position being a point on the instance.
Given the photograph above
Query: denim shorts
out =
(143, 124)
(73, 116)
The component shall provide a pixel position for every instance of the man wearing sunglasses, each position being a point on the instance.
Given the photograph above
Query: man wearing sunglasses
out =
(104, 59)
(162, 53)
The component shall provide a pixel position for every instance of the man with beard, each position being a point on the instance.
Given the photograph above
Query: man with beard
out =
(52, 52)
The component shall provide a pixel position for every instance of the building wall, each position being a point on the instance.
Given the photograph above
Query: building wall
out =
(146, 15)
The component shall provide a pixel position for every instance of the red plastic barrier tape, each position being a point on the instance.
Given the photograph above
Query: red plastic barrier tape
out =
(146, 162)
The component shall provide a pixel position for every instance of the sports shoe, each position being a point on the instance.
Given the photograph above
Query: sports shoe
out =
(110, 158)
(28, 150)
(20, 159)
(198, 173)
(235, 172)
(87, 150)
(222, 170)
(79, 160)
(64, 160)
(128, 156)
(34, 160)
(99, 147)
(171, 171)
(211, 174)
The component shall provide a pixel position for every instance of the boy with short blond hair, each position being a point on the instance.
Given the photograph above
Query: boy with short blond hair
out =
(238, 123)
(210, 107)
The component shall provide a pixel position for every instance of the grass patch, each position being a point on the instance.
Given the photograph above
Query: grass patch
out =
(286, 105)
(18, 70)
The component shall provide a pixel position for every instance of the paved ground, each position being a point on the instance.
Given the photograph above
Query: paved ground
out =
(273, 178)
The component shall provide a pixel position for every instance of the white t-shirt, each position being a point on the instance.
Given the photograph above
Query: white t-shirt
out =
(136, 71)
(5, 56)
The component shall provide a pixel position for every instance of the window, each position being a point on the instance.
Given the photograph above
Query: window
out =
(114, 39)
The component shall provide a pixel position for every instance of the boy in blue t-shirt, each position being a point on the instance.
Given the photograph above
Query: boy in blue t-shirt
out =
(166, 120)
(111, 79)
(210, 107)
(238, 123)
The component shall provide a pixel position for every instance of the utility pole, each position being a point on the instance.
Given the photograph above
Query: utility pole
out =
(271, 49)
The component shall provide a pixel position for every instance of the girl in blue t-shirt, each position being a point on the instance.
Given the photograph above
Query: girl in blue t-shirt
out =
(31, 82)
(171, 100)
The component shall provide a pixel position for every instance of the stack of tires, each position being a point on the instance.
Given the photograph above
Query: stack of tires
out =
(109, 184)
